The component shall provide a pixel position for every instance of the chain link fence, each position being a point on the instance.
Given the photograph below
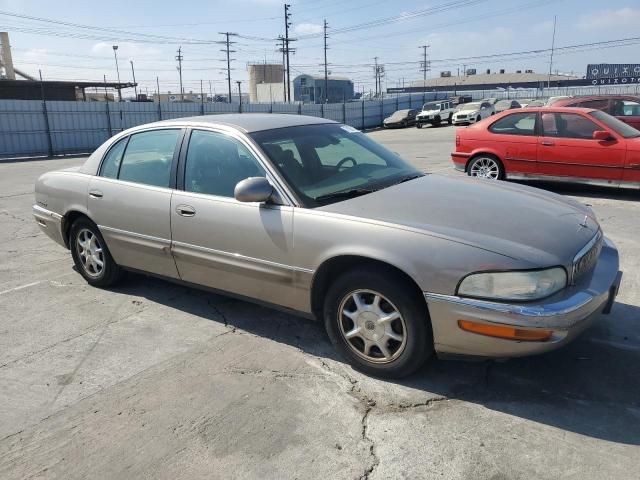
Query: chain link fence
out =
(31, 128)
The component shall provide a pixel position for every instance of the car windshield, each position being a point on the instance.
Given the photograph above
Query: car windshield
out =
(328, 163)
(431, 106)
(400, 114)
(468, 106)
(618, 126)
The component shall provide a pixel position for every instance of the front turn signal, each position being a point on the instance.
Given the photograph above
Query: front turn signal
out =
(501, 331)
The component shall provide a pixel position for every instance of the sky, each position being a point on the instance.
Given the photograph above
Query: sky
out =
(148, 33)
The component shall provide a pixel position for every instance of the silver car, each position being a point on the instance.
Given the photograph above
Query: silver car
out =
(314, 217)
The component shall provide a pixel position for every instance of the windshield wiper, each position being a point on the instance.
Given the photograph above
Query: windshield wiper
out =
(351, 193)
(408, 178)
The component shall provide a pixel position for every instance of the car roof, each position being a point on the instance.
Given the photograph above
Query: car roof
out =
(551, 110)
(246, 122)
(567, 101)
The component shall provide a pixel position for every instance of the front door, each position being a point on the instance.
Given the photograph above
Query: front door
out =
(130, 200)
(567, 149)
(242, 248)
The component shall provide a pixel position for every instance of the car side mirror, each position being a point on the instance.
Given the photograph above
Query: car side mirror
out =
(253, 189)
(602, 135)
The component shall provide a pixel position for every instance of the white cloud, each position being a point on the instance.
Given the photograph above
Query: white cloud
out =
(609, 19)
(126, 51)
(307, 28)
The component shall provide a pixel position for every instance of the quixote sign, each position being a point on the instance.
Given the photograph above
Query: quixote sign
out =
(611, 74)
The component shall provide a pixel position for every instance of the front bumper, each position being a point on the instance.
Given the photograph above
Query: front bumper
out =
(566, 313)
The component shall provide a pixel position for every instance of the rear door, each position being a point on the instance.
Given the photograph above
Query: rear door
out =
(567, 149)
(130, 199)
(515, 137)
(628, 111)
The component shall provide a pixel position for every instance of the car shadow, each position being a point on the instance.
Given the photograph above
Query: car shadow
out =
(590, 386)
(588, 191)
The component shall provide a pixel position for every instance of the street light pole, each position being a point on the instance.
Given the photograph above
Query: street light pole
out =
(135, 85)
(115, 55)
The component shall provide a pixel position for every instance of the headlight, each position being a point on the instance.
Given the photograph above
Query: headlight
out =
(519, 286)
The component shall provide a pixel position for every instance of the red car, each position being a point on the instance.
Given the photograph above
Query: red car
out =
(548, 143)
(623, 107)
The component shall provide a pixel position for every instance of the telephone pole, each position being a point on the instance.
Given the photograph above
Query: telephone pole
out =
(179, 58)
(135, 85)
(326, 79)
(424, 64)
(239, 91)
(553, 45)
(375, 71)
(287, 49)
(284, 67)
(378, 70)
(227, 43)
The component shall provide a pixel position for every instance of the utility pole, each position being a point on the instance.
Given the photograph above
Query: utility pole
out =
(424, 64)
(326, 79)
(375, 71)
(115, 55)
(179, 58)
(135, 85)
(553, 45)
(227, 49)
(287, 49)
(284, 68)
(239, 82)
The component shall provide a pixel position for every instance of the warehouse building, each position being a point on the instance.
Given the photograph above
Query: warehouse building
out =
(310, 89)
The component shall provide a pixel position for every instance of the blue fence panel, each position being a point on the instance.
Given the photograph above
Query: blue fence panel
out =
(23, 129)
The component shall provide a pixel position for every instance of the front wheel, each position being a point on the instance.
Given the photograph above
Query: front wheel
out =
(418, 125)
(378, 322)
(450, 119)
(485, 166)
(437, 121)
(91, 255)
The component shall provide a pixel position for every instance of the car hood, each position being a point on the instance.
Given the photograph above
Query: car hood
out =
(428, 112)
(524, 223)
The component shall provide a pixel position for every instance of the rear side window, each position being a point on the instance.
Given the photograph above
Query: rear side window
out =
(515, 124)
(149, 156)
(595, 104)
(626, 108)
(111, 162)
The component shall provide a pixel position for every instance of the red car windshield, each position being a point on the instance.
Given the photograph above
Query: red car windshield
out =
(618, 126)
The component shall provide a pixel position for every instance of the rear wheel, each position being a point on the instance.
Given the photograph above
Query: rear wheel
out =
(91, 255)
(437, 121)
(485, 166)
(378, 323)
(450, 119)
(418, 125)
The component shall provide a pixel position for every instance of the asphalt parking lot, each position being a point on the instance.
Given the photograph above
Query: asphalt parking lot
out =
(155, 380)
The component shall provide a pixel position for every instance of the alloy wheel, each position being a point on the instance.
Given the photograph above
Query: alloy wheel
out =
(90, 252)
(372, 326)
(485, 167)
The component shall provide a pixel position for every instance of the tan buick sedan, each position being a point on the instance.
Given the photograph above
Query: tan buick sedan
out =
(314, 217)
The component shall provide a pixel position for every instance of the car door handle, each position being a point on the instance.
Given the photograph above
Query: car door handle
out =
(547, 143)
(95, 193)
(186, 210)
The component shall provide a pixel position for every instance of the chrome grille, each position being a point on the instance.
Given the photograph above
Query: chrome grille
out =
(586, 258)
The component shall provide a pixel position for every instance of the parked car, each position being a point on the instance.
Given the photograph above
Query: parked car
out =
(460, 99)
(549, 143)
(401, 118)
(472, 112)
(490, 100)
(623, 107)
(503, 105)
(524, 102)
(315, 217)
(434, 113)
(535, 104)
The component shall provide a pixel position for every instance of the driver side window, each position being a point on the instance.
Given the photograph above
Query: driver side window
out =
(215, 164)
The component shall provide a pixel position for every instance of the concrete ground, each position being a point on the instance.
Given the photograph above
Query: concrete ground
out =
(154, 380)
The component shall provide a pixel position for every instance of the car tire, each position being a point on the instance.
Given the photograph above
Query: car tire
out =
(437, 121)
(485, 166)
(89, 250)
(404, 124)
(450, 120)
(412, 342)
(418, 125)
(478, 118)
